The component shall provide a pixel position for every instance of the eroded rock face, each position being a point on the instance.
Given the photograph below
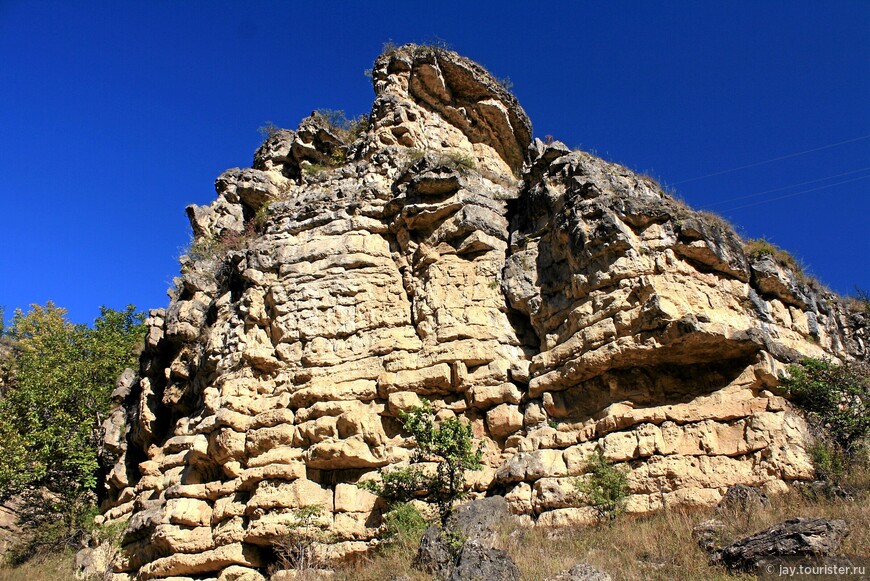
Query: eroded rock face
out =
(557, 302)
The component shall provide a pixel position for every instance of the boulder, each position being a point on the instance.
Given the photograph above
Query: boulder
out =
(742, 498)
(797, 537)
(482, 563)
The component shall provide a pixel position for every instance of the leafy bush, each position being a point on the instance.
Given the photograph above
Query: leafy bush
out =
(461, 162)
(398, 485)
(835, 397)
(450, 445)
(268, 129)
(860, 303)
(828, 460)
(60, 378)
(404, 522)
(605, 489)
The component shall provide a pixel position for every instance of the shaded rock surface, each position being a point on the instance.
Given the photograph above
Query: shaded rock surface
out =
(556, 302)
(743, 499)
(477, 561)
(817, 537)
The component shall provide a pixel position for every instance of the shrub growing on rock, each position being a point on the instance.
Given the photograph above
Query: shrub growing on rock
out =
(837, 401)
(606, 488)
(450, 445)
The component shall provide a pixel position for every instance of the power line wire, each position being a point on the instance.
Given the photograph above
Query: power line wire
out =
(755, 195)
(796, 194)
(766, 161)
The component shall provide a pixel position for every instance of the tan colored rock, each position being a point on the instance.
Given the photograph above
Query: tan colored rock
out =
(271, 494)
(504, 420)
(351, 498)
(486, 396)
(188, 511)
(238, 573)
(556, 303)
(204, 562)
(567, 517)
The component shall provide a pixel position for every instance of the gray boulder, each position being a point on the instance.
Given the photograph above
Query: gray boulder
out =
(743, 498)
(797, 537)
(482, 563)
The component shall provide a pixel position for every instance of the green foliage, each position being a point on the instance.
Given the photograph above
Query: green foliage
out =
(716, 220)
(605, 489)
(835, 397)
(314, 169)
(295, 550)
(404, 522)
(828, 460)
(859, 303)
(461, 162)
(399, 484)
(202, 248)
(506, 83)
(449, 443)
(453, 538)
(58, 393)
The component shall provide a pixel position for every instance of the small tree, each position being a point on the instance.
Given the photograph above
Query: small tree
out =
(449, 443)
(295, 550)
(605, 489)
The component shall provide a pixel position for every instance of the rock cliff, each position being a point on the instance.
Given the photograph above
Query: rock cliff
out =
(557, 302)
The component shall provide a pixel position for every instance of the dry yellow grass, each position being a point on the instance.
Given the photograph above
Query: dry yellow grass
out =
(58, 567)
(655, 547)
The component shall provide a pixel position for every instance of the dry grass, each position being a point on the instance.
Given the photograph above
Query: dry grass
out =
(392, 561)
(58, 567)
(656, 547)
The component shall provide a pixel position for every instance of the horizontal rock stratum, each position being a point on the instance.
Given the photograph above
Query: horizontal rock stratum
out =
(557, 302)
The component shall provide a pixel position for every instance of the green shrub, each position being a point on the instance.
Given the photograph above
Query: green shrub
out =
(836, 399)
(399, 484)
(461, 162)
(506, 83)
(404, 522)
(449, 444)
(828, 460)
(860, 303)
(605, 489)
(268, 129)
(348, 129)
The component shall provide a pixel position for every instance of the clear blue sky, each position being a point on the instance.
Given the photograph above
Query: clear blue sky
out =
(115, 115)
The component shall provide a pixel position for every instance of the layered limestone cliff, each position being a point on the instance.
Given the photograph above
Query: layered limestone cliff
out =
(557, 302)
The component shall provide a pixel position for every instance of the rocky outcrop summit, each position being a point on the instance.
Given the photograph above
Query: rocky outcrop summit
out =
(557, 302)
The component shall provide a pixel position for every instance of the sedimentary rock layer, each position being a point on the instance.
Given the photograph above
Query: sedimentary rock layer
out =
(558, 303)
